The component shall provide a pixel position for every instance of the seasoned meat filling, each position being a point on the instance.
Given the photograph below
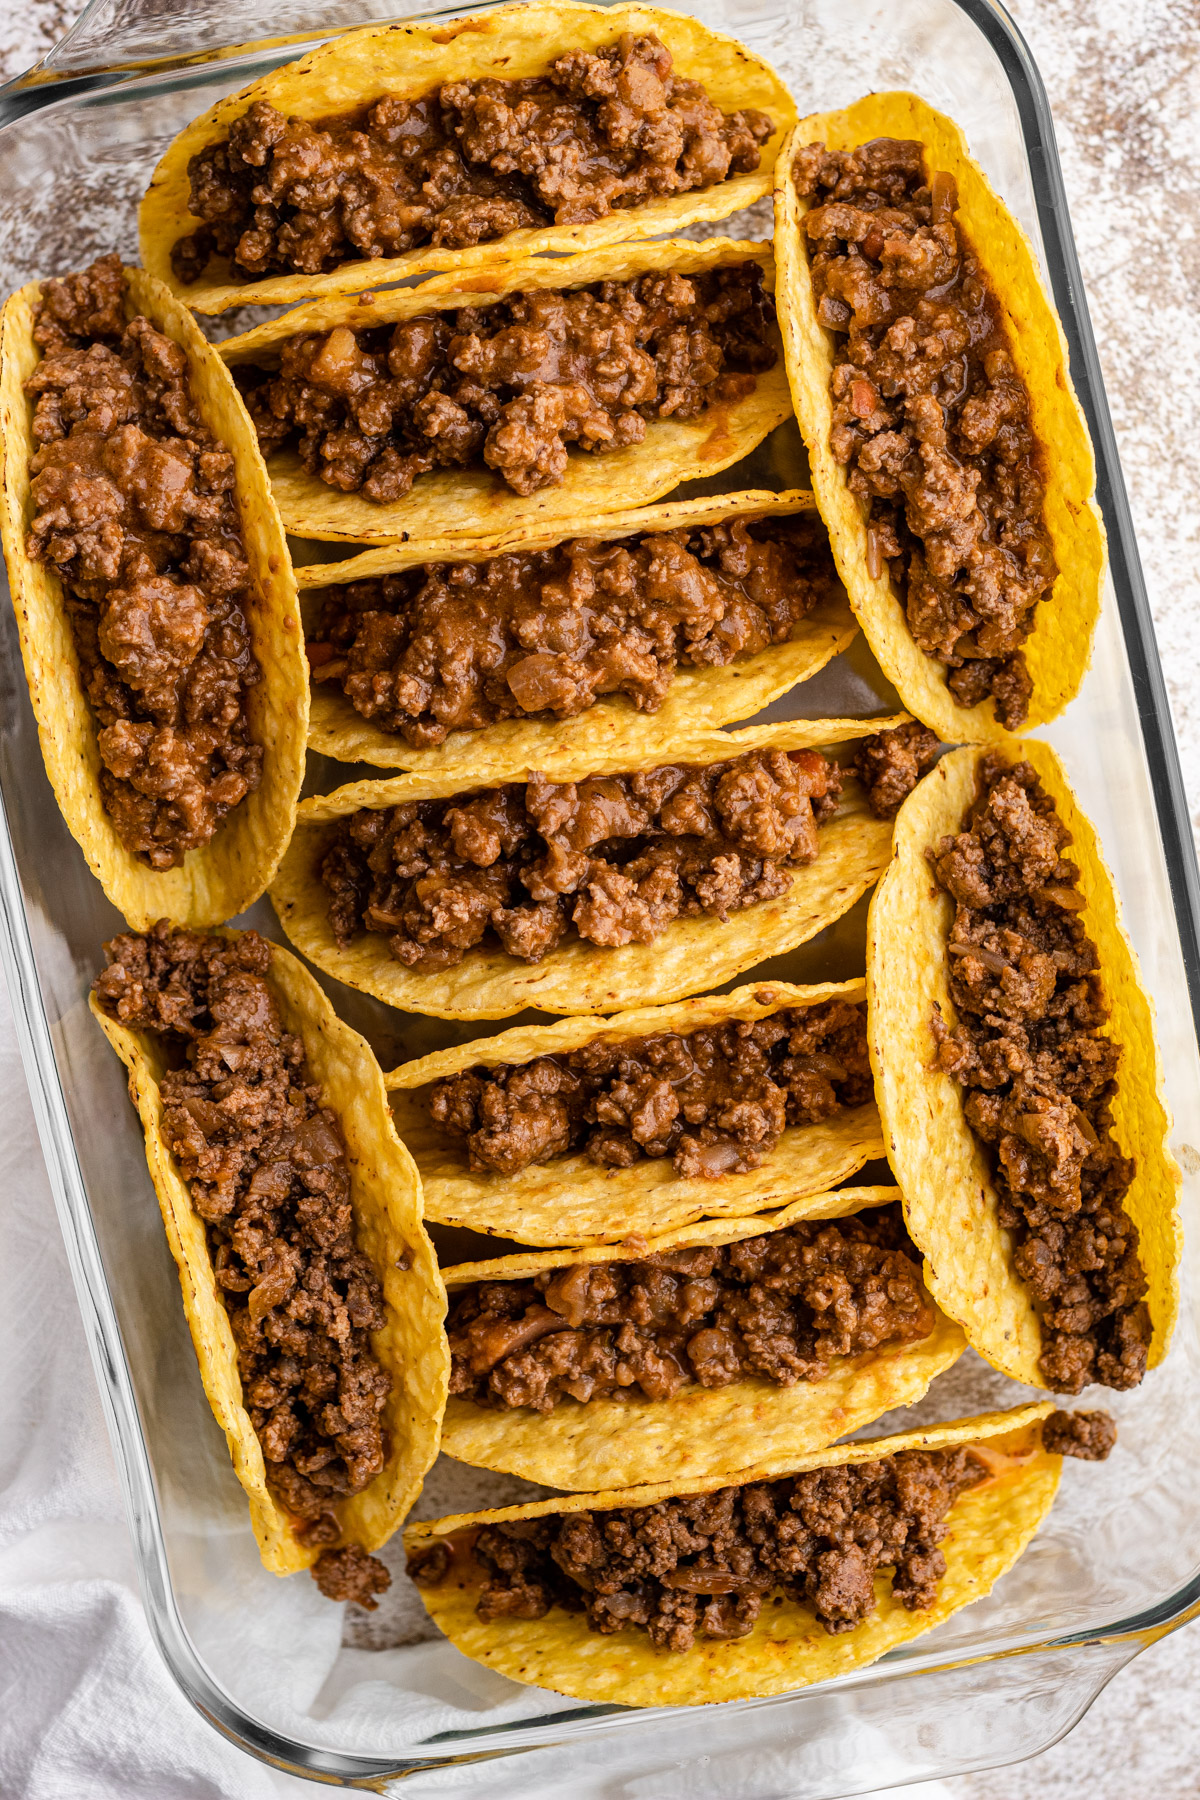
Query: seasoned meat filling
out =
(701, 1567)
(456, 646)
(890, 763)
(930, 417)
(613, 857)
(133, 507)
(464, 164)
(1091, 1436)
(512, 384)
(715, 1101)
(266, 1169)
(1039, 1076)
(778, 1307)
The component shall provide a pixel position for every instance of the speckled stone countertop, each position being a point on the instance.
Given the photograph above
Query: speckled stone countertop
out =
(1124, 83)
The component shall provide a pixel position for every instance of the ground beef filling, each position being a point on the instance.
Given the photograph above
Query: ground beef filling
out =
(1039, 1076)
(930, 417)
(889, 765)
(133, 507)
(512, 384)
(1089, 1435)
(464, 164)
(266, 1169)
(456, 646)
(715, 1101)
(614, 858)
(778, 1307)
(701, 1567)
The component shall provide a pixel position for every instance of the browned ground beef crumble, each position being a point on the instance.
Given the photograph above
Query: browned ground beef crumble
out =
(777, 1306)
(468, 162)
(455, 646)
(613, 857)
(890, 763)
(512, 384)
(266, 1169)
(1088, 1435)
(716, 1101)
(701, 1567)
(930, 416)
(1039, 1076)
(133, 506)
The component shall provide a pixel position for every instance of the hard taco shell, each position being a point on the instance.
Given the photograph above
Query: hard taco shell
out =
(230, 872)
(571, 1200)
(577, 977)
(474, 503)
(386, 1198)
(700, 1431)
(989, 1527)
(406, 61)
(699, 697)
(950, 1201)
(1059, 649)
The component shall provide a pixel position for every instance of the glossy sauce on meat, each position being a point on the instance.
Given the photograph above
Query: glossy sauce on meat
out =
(133, 506)
(716, 1101)
(511, 385)
(464, 164)
(613, 857)
(266, 1169)
(1039, 1076)
(777, 1307)
(456, 646)
(701, 1567)
(931, 418)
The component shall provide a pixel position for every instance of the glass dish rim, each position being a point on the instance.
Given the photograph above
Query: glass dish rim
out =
(187, 1669)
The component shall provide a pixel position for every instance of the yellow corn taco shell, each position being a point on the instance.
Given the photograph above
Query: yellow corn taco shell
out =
(1059, 649)
(474, 502)
(698, 697)
(406, 61)
(696, 953)
(950, 1201)
(571, 1200)
(385, 1193)
(700, 1431)
(230, 872)
(989, 1527)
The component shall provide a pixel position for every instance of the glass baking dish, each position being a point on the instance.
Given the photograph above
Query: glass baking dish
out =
(376, 1703)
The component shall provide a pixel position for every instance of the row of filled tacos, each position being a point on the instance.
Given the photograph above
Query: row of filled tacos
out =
(550, 637)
